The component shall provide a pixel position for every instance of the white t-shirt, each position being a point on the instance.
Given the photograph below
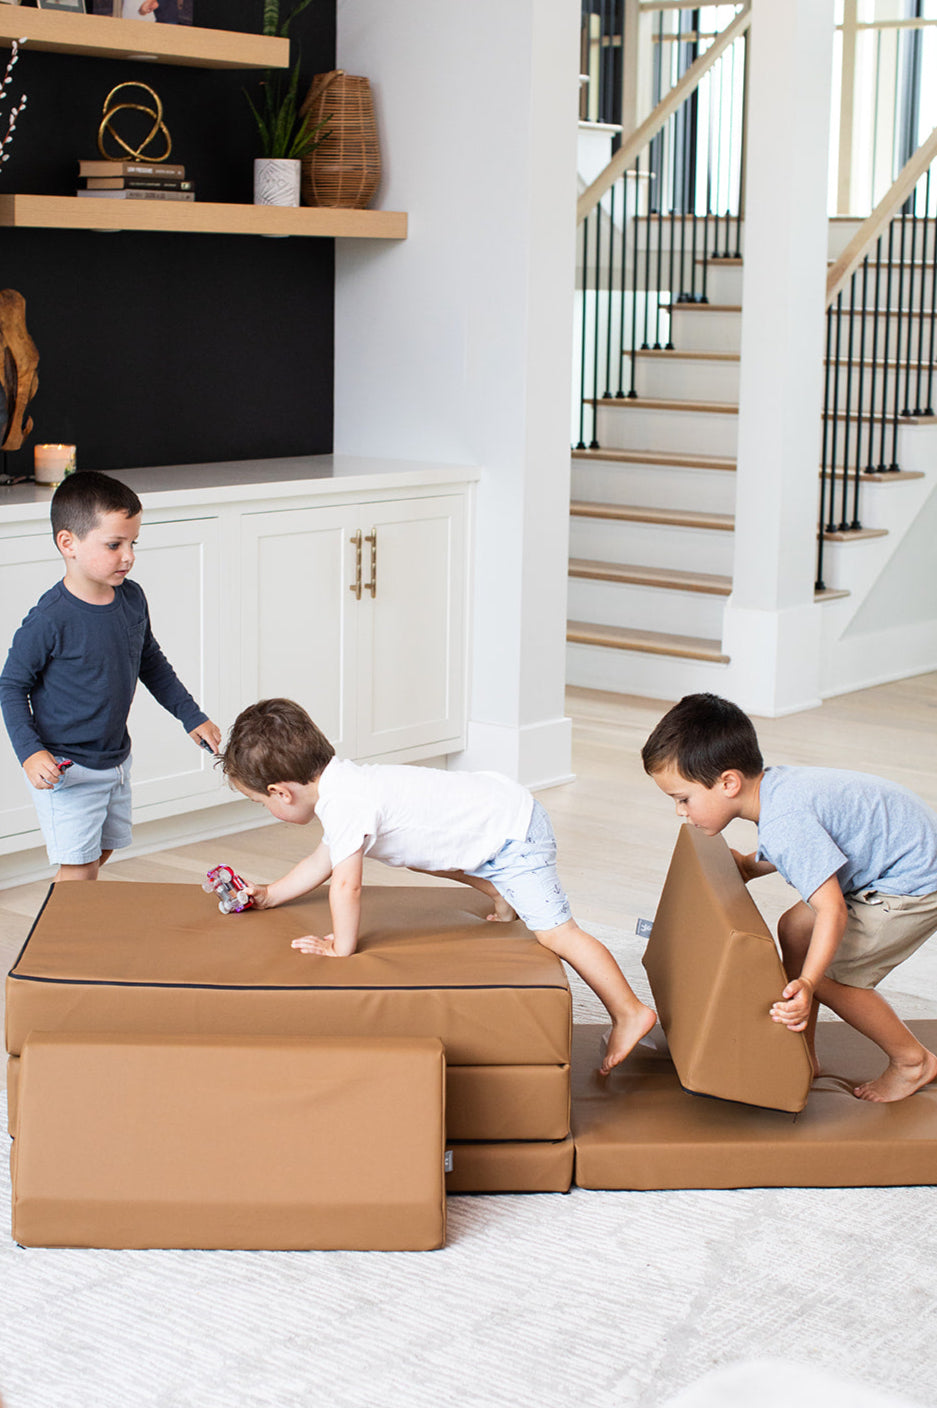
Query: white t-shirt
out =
(419, 817)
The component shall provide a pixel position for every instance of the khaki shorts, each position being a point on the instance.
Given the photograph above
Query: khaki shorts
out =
(881, 932)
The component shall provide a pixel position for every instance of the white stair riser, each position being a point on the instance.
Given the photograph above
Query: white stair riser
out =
(723, 282)
(651, 545)
(653, 485)
(865, 393)
(687, 379)
(704, 330)
(911, 283)
(661, 677)
(626, 427)
(720, 238)
(646, 608)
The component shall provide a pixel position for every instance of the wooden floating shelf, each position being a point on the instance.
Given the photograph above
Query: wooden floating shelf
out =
(100, 36)
(199, 217)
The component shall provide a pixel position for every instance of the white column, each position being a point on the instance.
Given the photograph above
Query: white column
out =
(455, 346)
(772, 628)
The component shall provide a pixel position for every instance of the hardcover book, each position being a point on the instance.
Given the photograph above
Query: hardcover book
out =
(138, 195)
(153, 169)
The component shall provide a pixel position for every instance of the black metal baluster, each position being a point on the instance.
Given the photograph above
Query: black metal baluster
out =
(849, 373)
(929, 408)
(740, 201)
(594, 442)
(624, 277)
(647, 250)
(882, 466)
(922, 300)
(873, 404)
(834, 527)
(906, 411)
(632, 394)
(825, 480)
(608, 294)
(894, 435)
(860, 391)
(581, 444)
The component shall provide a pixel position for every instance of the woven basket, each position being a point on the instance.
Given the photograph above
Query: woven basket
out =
(345, 168)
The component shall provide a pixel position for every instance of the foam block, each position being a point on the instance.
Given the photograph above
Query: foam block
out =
(715, 971)
(233, 1143)
(639, 1129)
(511, 1167)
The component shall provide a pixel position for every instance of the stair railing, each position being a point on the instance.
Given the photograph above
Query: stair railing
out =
(880, 343)
(669, 202)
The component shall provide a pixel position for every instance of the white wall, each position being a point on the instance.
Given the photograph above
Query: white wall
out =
(455, 346)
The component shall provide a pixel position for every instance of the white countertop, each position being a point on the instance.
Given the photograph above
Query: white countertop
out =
(244, 481)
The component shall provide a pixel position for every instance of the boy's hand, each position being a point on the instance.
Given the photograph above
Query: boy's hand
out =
(794, 1008)
(258, 894)
(42, 769)
(209, 732)
(750, 867)
(309, 943)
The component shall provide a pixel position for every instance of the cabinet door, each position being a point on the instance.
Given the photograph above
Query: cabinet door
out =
(411, 634)
(29, 566)
(178, 566)
(295, 602)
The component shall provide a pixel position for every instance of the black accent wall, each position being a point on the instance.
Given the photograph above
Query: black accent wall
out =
(169, 348)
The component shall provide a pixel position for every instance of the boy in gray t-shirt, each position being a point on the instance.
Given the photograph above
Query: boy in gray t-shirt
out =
(862, 852)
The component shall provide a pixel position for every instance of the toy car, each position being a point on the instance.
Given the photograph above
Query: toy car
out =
(231, 889)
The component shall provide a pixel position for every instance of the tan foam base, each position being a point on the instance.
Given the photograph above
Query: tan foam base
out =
(640, 1129)
(248, 1143)
(509, 1167)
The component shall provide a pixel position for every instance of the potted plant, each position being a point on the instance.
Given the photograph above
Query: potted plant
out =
(286, 134)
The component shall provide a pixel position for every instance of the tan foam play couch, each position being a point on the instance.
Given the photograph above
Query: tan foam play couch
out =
(714, 971)
(160, 959)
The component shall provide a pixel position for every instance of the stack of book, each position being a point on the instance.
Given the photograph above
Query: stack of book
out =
(134, 180)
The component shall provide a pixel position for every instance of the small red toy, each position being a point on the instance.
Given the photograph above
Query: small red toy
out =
(231, 889)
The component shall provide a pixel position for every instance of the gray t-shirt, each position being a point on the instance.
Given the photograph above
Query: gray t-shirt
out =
(870, 833)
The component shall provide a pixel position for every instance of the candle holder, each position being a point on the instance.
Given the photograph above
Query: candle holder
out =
(53, 463)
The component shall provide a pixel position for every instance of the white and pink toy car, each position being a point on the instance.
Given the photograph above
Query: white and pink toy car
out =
(230, 889)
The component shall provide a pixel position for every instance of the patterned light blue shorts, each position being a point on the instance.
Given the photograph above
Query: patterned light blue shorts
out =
(524, 872)
(85, 813)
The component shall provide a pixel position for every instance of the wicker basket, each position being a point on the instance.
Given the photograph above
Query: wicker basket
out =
(345, 168)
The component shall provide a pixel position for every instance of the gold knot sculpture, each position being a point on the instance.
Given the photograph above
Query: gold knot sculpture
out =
(107, 129)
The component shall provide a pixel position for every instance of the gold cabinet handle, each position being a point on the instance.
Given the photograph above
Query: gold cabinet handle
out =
(356, 584)
(371, 540)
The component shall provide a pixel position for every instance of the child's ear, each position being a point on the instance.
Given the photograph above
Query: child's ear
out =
(65, 541)
(731, 782)
(281, 790)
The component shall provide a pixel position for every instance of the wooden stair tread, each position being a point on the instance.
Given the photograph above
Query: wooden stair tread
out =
(681, 354)
(667, 403)
(853, 535)
(721, 261)
(631, 574)
(829, 594)
(885, 476)
(651, 642)
(631, 513)
(672, 458)
(702, 307)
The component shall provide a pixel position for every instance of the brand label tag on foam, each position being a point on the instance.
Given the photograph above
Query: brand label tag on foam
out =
(447, 1166)
(643, 928)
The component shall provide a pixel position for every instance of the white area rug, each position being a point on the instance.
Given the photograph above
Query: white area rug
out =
(602, 1300)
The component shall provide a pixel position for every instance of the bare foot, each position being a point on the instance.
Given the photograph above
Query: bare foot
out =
(502, 913)
(898, 1081)
(626, 1034)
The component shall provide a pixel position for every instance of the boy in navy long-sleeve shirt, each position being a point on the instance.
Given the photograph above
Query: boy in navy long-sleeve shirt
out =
(71, 673)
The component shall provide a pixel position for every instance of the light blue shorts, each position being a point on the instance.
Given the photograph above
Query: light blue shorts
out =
(524, 873)
(85, 813)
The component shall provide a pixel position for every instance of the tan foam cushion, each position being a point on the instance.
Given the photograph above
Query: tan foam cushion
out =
(511, 1167)
(217, 1142)
(639, 1129)
(107, 956)
(714, 971)
(482, 1102)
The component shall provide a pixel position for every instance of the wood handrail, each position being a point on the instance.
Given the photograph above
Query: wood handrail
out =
(653, 123)
(870, 229)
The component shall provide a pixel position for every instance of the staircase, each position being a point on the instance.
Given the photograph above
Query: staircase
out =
(651, 522)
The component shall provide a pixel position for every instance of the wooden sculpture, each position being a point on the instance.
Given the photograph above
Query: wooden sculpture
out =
(18, 378)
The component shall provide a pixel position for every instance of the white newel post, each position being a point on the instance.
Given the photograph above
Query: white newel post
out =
(771, 626)
(455, 346)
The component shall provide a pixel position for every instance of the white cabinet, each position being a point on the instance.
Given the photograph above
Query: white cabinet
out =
(357, 612)
(254, 591)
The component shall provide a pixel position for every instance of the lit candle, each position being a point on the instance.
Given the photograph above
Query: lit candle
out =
(53, 462)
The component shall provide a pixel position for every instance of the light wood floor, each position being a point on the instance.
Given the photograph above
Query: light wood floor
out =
(615, 830)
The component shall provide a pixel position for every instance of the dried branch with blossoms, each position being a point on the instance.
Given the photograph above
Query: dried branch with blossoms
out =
(17, 108)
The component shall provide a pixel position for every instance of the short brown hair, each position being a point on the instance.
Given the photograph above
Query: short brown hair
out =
(83, 497)
(703, 736)
(274, 741)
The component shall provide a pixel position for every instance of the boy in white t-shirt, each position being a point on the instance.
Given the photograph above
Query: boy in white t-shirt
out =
(479, 828)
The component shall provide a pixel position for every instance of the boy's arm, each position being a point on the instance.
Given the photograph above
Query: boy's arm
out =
(829, 925)
(345, 906)
(307, 875)
(750, 867)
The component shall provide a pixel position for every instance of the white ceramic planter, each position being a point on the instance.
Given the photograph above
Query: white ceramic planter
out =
(276, 181)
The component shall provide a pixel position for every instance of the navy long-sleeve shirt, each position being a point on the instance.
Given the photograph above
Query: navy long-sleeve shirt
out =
(71, 673)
